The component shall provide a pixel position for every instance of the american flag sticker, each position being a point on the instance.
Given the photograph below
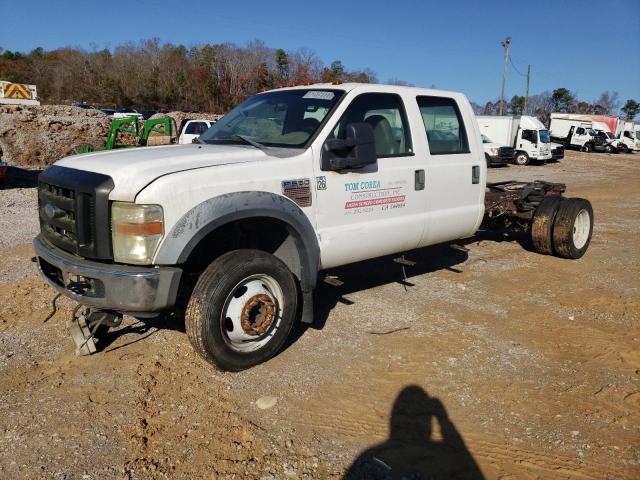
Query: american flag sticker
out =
(298, 190)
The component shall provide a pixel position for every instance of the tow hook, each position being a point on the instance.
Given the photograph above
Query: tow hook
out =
(84, 324)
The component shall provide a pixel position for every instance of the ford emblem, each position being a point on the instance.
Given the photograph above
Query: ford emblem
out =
(51, 211)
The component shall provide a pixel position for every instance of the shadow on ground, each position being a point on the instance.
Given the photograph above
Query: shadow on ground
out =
(412, 450)
(354, 277)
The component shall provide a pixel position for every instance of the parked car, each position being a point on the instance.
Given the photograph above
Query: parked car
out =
(497, 155)
(192, 129)
(108, 112)
(127, 112)
(147, 114)
(85, 106)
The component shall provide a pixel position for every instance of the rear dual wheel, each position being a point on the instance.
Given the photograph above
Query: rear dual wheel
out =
(562, 227)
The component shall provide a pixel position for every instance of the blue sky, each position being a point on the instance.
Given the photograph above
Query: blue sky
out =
(587, 46)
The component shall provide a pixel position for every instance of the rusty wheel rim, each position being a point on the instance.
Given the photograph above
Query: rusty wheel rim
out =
(252, 313)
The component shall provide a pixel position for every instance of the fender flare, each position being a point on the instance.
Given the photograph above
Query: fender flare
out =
(218, 211)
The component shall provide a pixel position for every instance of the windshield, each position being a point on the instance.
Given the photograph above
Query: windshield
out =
(544, 136)
(609, 134)
(485, 139)
(286, 118)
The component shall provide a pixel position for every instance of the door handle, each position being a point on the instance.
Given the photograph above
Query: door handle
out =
(419, 179)
(475, 174)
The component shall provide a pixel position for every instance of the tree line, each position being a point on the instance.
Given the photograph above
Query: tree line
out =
(152, 75)
(216, 77)
(562, 100)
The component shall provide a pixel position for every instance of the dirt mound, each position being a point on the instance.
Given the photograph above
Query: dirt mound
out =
(40, 135)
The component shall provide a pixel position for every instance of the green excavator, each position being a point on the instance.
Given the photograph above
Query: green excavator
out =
(140, 131)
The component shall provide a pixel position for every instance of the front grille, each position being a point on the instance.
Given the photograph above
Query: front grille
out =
(558, 151)
(57, 207)
(74, 211)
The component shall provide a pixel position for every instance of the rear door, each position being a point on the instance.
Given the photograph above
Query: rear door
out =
(456, 170)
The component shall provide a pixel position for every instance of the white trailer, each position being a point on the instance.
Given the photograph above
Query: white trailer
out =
(526, 134)
(18, 94)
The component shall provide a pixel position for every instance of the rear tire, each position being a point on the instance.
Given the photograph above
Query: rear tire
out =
(542, 225)
(572, 228)
(521, 159)
(242, 309)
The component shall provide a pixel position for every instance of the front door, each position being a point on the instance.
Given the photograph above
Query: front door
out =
(377, 209)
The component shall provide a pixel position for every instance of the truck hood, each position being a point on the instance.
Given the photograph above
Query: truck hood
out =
(134, 168)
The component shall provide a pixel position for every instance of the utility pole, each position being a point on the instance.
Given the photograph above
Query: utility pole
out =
(526, 92)
(505, 44)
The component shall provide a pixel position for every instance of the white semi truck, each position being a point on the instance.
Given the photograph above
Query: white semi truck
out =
(235, 229)
(526, 134)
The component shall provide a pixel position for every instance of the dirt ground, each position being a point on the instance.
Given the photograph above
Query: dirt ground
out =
(497, 363)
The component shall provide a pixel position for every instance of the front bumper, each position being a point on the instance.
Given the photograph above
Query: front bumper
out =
(122, 288)
(497, 160)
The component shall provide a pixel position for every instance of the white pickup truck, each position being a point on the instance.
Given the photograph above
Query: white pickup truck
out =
(289, 183)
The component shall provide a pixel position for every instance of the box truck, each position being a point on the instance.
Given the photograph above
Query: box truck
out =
(629, 134)
(586, 132)
(527, 135)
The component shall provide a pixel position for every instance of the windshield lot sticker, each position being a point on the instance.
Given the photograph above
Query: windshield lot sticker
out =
(319, 95)
(365, 197)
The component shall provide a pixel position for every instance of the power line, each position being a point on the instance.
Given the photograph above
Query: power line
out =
(516, 69)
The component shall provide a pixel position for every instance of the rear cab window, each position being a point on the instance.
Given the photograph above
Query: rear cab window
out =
(444, 126)
(196, 128)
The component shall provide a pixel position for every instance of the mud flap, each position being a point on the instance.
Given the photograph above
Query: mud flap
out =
(79, 331)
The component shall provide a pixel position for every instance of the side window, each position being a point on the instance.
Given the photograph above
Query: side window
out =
(444, 126)
(385, 113)
(580, 131)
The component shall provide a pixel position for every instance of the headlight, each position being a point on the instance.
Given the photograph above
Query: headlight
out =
(136, 231)
(493, 151)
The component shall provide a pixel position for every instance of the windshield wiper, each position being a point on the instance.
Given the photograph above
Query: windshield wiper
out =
(246, 140)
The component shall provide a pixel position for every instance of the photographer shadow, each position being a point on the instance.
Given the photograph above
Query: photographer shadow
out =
(411, 451)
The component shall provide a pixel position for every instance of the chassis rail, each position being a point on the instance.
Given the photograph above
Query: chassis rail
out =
(517, 199)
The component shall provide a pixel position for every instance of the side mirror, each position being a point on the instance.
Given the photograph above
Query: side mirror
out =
(357, 150)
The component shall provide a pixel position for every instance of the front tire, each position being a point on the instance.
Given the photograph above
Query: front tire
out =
(242, 309)
(587, 148)
(521, 159)
(572, 228)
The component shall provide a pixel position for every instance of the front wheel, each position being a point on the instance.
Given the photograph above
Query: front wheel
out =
(608, 149)
(587, 148)
(521, 159)
(242, 309)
